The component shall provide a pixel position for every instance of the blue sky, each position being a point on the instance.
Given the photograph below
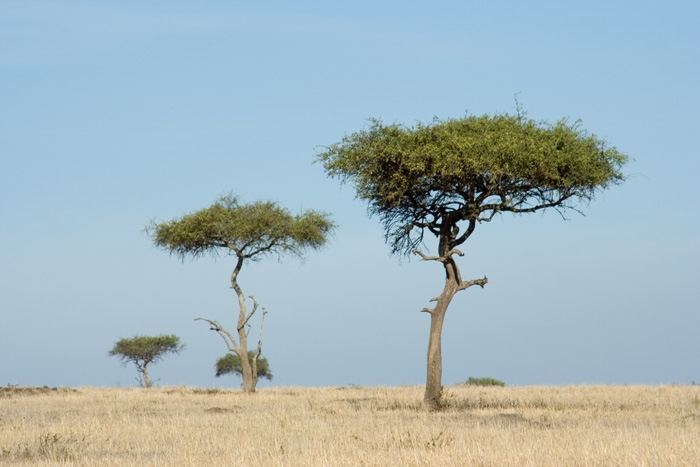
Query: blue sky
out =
(116, 113)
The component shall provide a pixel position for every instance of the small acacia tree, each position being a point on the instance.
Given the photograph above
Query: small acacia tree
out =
(231, 364)
(246, 232)
(446, 177)
(144, 350)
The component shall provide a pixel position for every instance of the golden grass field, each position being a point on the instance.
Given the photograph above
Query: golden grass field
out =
(351, 426)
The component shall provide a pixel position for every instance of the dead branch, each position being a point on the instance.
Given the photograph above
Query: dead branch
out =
(231, 343)
(467, 284)
(262, 321)
(252, 312)
(426, 257)
(442, 259)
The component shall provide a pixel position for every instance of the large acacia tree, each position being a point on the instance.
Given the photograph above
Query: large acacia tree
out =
(446, 177)
(248, 232)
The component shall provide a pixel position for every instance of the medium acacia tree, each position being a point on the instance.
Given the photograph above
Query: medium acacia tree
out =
(248, 232)
(144, 350)
(446, 177)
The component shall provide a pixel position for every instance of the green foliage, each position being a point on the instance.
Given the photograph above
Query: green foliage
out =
(231, 364)
(469, 169)
(483, 382)
(144, 350)
(250, 230)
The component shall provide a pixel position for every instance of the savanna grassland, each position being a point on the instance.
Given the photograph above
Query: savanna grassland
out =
(351, 426)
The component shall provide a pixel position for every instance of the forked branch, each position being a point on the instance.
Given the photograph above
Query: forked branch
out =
(442, 259)
(252, 312)
(225, 335)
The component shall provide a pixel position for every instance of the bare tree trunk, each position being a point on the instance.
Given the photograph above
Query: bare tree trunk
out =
(147, 383)
(258, 351)
(432, 398)
(433, 385)
(240, 347)
(246, 368)
(249, 382)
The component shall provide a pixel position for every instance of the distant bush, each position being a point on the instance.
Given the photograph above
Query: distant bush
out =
(483, 382)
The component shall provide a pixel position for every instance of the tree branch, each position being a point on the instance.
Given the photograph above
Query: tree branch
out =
(548, 200)
(467, 284)
(427, 258)
(262, 321)
(430, 310)
(225, 335)
(442, 259)
(255, 307)
(237, 269)
(467, 234)
(454, 251)
(265, 248)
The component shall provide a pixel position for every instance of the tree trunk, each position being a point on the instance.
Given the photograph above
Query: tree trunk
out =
(146, 382)
(433, 384)
(249, 382)
(453, 284)
(240, 348)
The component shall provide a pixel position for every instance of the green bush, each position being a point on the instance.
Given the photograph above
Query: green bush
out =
(231, 364)
(483, 382)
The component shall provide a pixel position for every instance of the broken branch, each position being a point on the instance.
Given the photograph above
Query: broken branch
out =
(479, 282)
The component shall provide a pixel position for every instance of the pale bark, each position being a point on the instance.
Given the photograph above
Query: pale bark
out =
(432, 398)
(433, 382)
(146, 381)
(249, 371)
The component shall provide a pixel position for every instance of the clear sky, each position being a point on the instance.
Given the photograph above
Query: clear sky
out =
(113, 113)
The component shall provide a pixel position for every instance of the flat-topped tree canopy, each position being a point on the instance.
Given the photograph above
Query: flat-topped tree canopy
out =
(433, 176)
(248, 230)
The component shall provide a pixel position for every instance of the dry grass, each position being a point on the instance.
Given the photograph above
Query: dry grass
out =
(522, 426)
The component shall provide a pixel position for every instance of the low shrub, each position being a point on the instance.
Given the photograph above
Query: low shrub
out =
(483, 382)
